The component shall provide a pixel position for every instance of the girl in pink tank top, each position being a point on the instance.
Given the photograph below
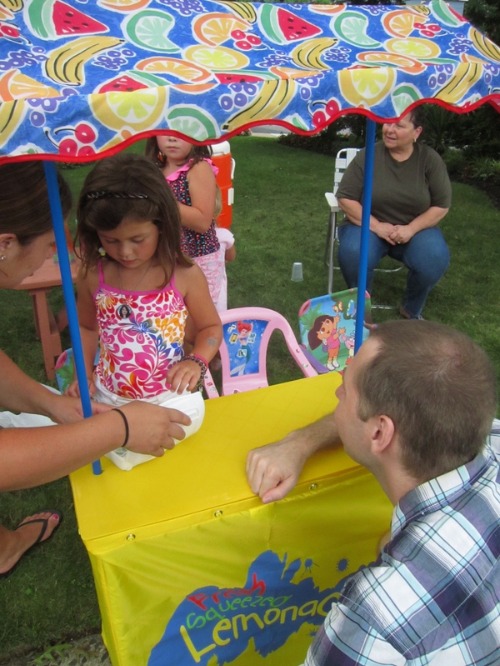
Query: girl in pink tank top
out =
(136, 289)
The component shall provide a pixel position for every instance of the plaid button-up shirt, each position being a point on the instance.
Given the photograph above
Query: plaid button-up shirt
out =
(432, 597)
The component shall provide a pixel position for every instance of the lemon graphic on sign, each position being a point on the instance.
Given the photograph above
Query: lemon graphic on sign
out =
(414, 47)
(366, 87)
(217, 57)
(137, 110)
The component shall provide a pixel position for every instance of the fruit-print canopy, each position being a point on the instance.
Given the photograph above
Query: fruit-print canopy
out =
(80, 79)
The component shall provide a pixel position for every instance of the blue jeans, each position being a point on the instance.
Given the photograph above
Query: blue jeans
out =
(426, 256)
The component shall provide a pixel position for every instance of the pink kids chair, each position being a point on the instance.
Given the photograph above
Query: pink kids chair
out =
(246, 335)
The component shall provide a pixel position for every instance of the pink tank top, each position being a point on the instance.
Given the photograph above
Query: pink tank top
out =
(141, 336)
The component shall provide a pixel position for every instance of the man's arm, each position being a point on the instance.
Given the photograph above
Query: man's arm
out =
(273, 470)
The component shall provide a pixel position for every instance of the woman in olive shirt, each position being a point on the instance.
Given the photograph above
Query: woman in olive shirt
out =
(411, 195)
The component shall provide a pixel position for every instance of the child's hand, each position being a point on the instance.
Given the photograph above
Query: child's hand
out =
(184, 375)
(74, 390)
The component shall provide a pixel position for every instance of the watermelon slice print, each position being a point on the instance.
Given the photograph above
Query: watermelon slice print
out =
(52, 19)
(282, 27)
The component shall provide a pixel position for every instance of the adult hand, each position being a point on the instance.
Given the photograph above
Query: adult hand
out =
(401, 233)
(385, 231)
(152, 428)
(273, 470)
(65, 409)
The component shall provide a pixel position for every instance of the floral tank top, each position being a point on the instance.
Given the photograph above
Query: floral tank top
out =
(141, 336)
(193, 243)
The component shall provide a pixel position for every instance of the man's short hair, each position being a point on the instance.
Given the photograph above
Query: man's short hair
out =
(438, 387)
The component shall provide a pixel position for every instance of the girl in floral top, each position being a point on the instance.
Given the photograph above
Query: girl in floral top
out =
(136, 287)
(190, 173)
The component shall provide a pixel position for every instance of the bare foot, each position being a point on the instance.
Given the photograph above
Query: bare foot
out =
(30, 531)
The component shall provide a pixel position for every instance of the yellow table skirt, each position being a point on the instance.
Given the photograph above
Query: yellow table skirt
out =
(191, 568)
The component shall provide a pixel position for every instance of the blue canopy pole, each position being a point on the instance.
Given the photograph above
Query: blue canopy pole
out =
(69, 295)
(365, 228)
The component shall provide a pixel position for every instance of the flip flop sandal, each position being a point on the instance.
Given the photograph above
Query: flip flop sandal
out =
(39, 540)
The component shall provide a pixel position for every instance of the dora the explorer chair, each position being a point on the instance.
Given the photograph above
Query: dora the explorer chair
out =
(342, 161)
(246, 335)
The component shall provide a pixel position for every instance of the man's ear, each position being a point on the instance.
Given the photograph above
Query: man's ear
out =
(382, 433)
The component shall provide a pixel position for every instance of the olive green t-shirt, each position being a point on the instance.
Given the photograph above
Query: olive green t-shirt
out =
(401, 190)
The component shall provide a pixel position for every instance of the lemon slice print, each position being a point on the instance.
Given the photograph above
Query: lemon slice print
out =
(366, 87)
(193, 122)
(404, 96)
(414, 47)
(217, 58)
(352, 28)
(149, 29)
(137, 110)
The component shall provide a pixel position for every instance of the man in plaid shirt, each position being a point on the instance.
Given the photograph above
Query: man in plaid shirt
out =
(416, 408)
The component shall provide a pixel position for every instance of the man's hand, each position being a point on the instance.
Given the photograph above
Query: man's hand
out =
(273, 470)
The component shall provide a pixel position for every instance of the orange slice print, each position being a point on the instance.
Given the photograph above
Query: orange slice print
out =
(15, 85)
(181, 69)
(216, 28)
(402, 62)
(401, 22)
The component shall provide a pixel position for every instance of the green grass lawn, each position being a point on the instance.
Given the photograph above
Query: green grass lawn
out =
(280, 216)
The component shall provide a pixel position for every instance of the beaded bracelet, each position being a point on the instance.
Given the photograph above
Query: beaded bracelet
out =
(203, 363)
(125, 423)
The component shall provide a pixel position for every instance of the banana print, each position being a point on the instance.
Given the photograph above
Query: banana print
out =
(459, 85)
(273, 96)
(240, 62)
(245, 10)
(11, 114)
(13, 5)
(65, 64)
(484, 45)
(308, 54)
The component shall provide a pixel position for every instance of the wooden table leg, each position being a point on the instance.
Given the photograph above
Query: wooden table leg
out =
(47, 330)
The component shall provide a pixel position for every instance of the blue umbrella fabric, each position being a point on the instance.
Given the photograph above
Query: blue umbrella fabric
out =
(81, 79)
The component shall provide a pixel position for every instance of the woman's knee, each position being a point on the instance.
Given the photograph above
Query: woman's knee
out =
(428, 252)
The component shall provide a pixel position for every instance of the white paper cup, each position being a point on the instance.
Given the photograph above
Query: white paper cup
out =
(297, 272)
